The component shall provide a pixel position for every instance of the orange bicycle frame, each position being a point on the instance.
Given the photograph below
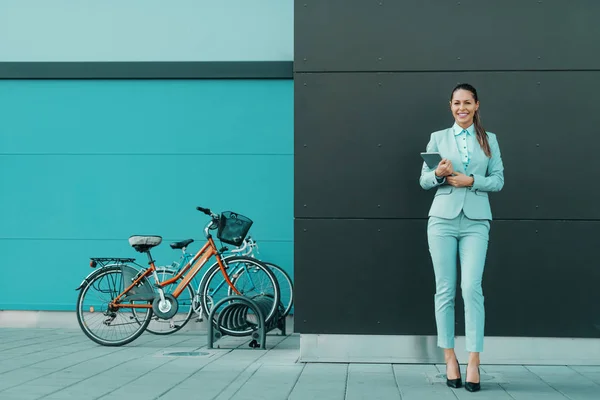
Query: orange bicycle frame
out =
(194, 265)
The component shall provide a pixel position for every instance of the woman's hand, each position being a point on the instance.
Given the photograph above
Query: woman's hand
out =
(444, 168)
(460, 180)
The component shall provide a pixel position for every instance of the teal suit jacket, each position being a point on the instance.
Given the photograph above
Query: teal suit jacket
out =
(488, 175)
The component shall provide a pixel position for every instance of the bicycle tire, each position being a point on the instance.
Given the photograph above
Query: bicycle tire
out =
(287, 282)
(215, 269)
(85, 326)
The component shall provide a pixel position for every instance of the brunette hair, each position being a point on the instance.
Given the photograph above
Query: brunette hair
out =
(482, 137)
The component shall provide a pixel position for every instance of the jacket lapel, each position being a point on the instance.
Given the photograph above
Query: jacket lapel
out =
(478, 158)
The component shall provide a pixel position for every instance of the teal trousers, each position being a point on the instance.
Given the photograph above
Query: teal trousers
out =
(467, 239)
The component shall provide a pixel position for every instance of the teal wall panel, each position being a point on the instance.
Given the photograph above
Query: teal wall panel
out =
(63, 263)
(146, 116)
(86, 164)
(110, 196)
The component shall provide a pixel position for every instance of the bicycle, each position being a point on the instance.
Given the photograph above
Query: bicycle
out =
(242, 279)
(286, 279)
(130, 289)
(207, 292)
(203, 299)
(284, 283)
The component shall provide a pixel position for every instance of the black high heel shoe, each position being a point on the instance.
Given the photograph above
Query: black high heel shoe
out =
(473, 387)
(454, 383)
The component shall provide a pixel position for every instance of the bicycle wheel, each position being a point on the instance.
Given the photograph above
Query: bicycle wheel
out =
(259, 281)
(286, 287)
(110, 327)
(160, 326)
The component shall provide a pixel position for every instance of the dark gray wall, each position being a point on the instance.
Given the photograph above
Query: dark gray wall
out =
(372, 81)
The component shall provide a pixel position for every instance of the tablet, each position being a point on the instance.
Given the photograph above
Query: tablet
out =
(432, 159)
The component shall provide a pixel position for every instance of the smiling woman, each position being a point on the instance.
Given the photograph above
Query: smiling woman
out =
(465, 108)
(459, 223)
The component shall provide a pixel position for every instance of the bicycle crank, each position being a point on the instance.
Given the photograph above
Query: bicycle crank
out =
(165, 309)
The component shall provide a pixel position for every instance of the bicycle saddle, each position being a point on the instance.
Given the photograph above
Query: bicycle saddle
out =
(144, 243)
(182, 244)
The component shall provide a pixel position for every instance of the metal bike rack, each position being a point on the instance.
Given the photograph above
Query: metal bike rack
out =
(233, 316)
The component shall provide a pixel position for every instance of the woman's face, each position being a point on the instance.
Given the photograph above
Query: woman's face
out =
(463, 106)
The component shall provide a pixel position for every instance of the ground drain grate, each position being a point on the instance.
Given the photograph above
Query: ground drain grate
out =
(186, 354)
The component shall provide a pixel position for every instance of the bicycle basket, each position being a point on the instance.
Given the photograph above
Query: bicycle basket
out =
(233, 228)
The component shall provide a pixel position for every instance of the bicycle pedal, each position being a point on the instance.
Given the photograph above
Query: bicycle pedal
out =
(199, 319)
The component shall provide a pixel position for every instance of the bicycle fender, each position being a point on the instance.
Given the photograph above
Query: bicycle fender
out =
(94, 273)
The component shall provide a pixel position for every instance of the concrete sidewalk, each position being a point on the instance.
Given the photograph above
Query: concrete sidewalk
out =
(65, 364)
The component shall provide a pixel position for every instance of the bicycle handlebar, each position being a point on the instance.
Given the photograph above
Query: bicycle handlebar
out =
(204, 210)
(208, 212)
(248, 242)
(241, 249)
(213, 224)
